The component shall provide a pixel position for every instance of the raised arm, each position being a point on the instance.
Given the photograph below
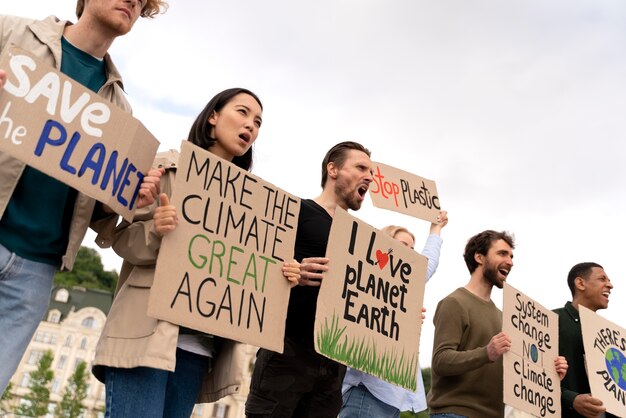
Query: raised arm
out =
(432, 248)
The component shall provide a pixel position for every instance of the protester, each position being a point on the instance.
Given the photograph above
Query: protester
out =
(43, 221)
(366, 396)
(466, 368)
(590, 287)
(152, 368)
(299, 382)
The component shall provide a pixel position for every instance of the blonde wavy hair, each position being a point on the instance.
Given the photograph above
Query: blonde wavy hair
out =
(151, 9)
(393, 230)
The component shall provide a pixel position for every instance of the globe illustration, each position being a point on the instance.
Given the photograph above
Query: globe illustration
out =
(616, 366)
(534, 353)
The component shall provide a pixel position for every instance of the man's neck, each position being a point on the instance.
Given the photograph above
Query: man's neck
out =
(89, 38)
(576, 302)
(328, 200)
(479, 286)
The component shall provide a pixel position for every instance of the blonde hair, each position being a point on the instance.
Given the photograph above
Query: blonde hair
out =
(393, 230)
(151, 9)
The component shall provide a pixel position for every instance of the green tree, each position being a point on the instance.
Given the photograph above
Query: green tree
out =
(71, 405)
(5, 400)
(88, 272)
(38, 396)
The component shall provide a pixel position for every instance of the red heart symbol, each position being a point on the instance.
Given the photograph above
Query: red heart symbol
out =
(382, 258)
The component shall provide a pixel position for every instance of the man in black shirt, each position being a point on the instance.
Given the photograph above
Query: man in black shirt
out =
(590, 287)
(301, 383)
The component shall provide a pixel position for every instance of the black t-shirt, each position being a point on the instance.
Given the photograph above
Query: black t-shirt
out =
(311, 241)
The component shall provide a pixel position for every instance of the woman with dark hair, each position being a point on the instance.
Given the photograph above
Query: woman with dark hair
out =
(150, 367)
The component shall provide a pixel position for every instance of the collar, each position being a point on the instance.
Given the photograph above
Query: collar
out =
(572, 312)
(50, 31)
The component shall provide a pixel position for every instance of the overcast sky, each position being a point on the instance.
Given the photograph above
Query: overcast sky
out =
(515, 109)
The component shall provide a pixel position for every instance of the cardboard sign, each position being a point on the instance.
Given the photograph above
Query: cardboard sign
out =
(403, 192)
(605, 355)
(220, 271)
(369, 308)
(68, 132)
(531, 382)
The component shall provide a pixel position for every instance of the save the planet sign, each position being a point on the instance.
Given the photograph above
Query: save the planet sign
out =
(56, 125)
(605, 353)
(531, 382)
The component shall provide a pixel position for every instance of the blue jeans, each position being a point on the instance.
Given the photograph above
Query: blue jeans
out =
(25, 288)
(148, 392)
(358, 402)
(447, 415)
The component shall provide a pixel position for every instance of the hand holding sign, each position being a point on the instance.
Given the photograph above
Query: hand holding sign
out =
(560, 364)
(311, 271)
(149, 188)
(588, 406)
(291, 271)
(498, 345)
(442, 220)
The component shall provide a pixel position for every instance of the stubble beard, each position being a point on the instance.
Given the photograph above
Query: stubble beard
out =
(491, 274)
(345, 195)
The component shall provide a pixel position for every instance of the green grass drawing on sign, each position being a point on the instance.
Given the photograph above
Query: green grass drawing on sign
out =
(356, 353)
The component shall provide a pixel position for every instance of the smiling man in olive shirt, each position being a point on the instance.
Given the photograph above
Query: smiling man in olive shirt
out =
(469, 342)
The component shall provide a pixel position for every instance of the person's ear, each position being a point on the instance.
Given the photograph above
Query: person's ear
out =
(213, 118)
(332, 170)
(579, 284)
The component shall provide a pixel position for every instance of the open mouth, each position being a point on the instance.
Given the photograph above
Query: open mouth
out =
(245, 138)
(362, 190)
(504, 272)
(606, 294)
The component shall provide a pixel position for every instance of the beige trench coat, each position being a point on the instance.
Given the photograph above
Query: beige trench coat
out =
(130, 337)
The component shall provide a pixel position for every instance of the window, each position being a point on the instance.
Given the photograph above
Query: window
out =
(25, 380)
(61, 362)
(56, 385)
(51, 408)
(68, 341)
(88, 322)
(220, 410)
(197, 411)
(62, 296)
(39, 336)
(54, 316)
(83, 344)
(77, 362)
(34, 357)
(53, 339)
